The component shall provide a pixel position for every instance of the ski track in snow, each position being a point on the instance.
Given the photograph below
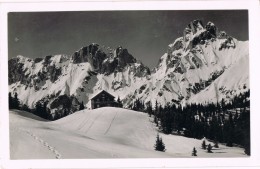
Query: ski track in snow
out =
(84, 122)
(111, 123)
(44, 143)
(92, 123)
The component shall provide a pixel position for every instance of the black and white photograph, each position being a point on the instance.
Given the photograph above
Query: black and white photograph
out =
(126, 93)
(129, 84)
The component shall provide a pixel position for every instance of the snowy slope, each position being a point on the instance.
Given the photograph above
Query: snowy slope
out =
(232, 82)
(99, 133)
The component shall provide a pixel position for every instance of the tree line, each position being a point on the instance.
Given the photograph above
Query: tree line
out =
(224, 122)
(40, 108)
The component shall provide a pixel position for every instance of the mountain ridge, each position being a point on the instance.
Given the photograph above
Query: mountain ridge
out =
(194, 69)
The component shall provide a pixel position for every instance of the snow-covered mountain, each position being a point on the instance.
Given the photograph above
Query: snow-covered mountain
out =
(66, 81)
(204, 65)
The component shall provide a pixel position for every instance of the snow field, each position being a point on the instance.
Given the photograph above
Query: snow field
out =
(100, 133)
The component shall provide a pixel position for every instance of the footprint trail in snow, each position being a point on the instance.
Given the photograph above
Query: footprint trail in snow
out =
(45, 144)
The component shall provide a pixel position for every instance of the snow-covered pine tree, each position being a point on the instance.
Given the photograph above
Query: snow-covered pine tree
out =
(159, 145)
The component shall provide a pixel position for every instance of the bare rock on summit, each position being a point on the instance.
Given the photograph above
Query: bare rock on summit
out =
(195, 26)
(85, 53)
(124, 57)
(211, 28)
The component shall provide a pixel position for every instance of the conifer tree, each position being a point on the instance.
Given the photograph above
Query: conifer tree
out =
(137, 105)
(156, 121)
(15, 102)
(119, 102)
(209, 148)
(81, 106)
(156, 108)
(45, 115)
(159, 145)
(25, 108)
(149, 108)
(10, 100)
(216, 143)
(229, 130)
(66, 112)
(203, 145)
(39, 109)
(49, 115)
(194, 152)
(56, 116)
(247, 148)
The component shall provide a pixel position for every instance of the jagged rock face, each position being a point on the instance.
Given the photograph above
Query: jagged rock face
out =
(66, 81)
(196, 35)
(37, 60)
(103, 61)
(120, 61)
(140, 71)
(86, 54)
(124, 57)
(15, 71)
(211, 28)
(194, 64)
(195, 26)
(20, 70)
(109, 66)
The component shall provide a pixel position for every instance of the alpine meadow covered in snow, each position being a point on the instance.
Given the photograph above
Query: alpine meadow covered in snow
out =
(104, 102)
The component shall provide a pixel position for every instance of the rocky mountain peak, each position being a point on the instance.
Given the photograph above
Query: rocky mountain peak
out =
(124, 57)
(85, 54)
(195, 26)
(199, 61)
(193, 63)
(103, 59)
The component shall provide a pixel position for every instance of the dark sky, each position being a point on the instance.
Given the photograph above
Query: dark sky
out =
(145, 34)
